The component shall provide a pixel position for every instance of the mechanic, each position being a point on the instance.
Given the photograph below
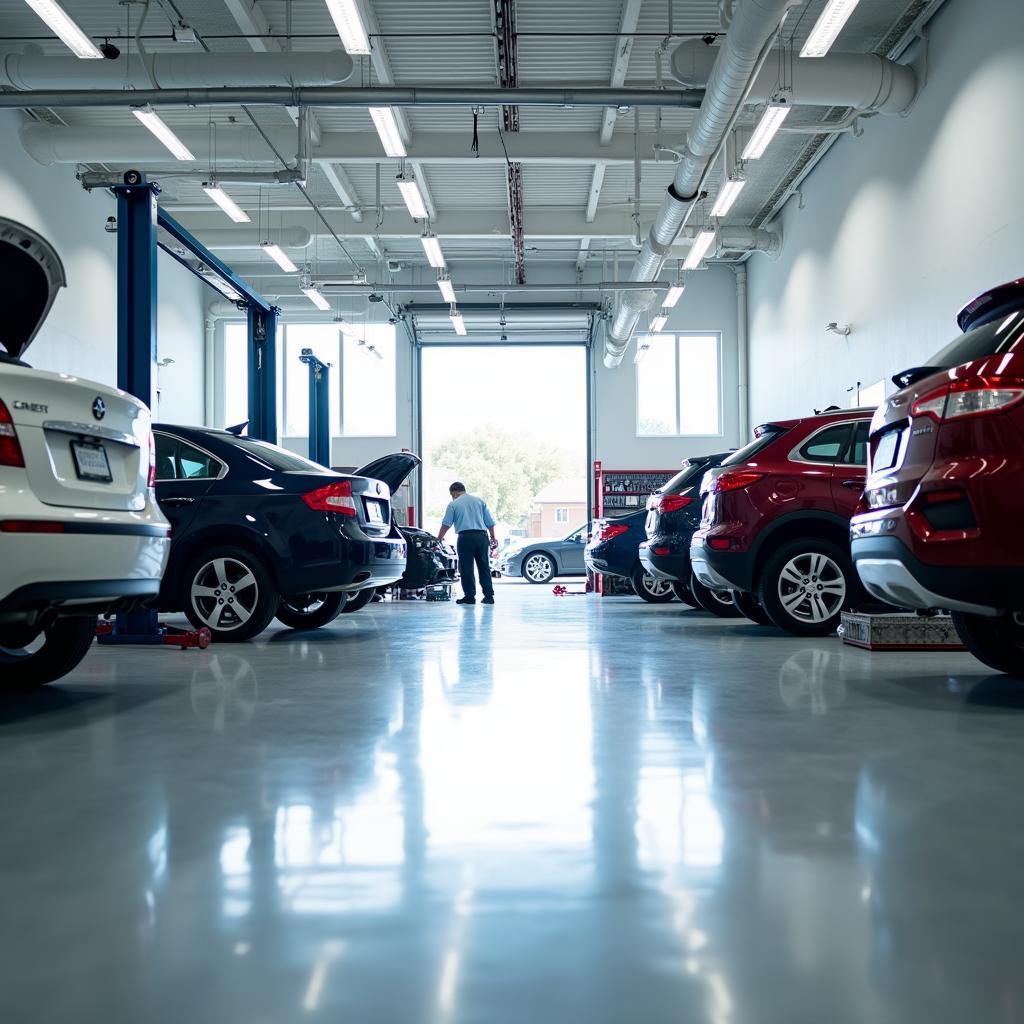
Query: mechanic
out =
(473, 522)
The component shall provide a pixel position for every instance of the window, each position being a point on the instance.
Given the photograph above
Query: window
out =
(178, 460)
(369, 381)
(235, 374)
(324, 341)
(561, 515)
(678, 385)
(827, 444)
(276, 458)
(857, 453)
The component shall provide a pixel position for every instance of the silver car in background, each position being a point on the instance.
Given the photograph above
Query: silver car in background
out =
(541, 559)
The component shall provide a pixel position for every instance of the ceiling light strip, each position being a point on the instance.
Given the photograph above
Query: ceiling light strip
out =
(225, 202)
(152, 120)
(770, 123)
(386, 123)
(65, 28)
(700, 246)
(827, 28)
(348, 22)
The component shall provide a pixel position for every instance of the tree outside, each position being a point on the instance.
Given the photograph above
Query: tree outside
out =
(502, 467)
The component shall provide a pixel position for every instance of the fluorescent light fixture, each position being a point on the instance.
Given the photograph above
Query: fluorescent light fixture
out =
(410, 190)
(673, 295)
(65, 29)
(727, 195)
(387, 128)
(658, 323)
(458, 323)
(828, 26)
(432, 247)
(700, 246)
(446, 288)
(349, 22)
(280, 257)
(225, 202)
(316, 297)
(770, 123)
(152, 120)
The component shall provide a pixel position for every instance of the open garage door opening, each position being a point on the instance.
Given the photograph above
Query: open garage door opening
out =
(509, 420)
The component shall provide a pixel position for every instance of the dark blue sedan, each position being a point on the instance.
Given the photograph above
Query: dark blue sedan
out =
(614, 550)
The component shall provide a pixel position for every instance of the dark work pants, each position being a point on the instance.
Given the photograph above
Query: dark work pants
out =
(473, 548)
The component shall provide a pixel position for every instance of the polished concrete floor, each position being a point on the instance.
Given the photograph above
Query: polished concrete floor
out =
(554, 810)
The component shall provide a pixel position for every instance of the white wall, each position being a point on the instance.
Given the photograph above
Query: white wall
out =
(901, 227)
(709, 304)
(80, 334)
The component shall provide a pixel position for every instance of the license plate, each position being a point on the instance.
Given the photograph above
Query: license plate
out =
(885, 453)
(91, 462)
(373, 510)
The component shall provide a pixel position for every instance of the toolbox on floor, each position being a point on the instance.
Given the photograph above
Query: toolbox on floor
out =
(902, 631)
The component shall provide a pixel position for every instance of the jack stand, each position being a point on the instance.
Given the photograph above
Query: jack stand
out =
(143, 627)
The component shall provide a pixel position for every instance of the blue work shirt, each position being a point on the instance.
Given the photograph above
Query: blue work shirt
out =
(467, 512)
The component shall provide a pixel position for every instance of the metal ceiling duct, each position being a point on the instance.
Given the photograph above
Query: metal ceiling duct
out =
(753, 24)
(32, 71)
(863, 81)
(249, 238)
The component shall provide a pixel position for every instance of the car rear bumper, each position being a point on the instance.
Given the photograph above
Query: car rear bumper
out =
(90, 573)
(353, 565)
(720, 570)
(891, 573)
(672, 567)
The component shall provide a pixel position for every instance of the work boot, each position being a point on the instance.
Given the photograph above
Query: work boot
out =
(466, 600)
(488, 600)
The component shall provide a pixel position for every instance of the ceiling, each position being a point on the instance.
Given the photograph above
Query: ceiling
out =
(451, 42)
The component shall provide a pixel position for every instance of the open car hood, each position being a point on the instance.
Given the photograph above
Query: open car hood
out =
(391, 469)
(32, 273)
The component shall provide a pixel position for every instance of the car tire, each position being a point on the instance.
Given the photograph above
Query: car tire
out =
(718, 602)
(684, 593)
(63, 646)
(358, 599)
(212, 582)
(650, 588)
(538, 567)
(309, 611)
(996, 642)
(749, 606)
(807, 564)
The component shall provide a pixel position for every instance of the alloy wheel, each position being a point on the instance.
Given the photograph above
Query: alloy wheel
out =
(224, 594)
(812, 587)
(656, 587)
(538, 568)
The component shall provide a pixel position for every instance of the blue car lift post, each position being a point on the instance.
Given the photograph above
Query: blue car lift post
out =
(138, 218)
(319, 408)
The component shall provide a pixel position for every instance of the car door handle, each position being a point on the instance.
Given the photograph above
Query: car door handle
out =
(853, 483)
(176, 502)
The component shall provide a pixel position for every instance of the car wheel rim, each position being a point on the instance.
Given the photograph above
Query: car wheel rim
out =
(723, 596)
(812, 587)
(538, 567)
(656, 588)
(225, 594)
(305, 604)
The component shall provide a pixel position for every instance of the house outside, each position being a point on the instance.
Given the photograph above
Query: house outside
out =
(559, 508)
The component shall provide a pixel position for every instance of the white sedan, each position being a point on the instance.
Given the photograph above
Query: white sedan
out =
(80, 531)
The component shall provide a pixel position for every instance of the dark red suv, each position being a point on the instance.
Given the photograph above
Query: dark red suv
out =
(776, 519)
(943, 510)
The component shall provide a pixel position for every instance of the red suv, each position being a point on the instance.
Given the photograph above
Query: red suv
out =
(776, 519)
(940, 523)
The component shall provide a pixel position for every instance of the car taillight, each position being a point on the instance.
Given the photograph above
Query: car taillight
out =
(735, 480)
(611, 531)
(335, 497)
(151, 481)
(672, 502)
(10, 446)
(976, 397)
(30, 526)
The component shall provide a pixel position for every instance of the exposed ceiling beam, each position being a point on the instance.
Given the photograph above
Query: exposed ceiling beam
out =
(253, 24)
(343, 187)
(581, 259)
(594, 196)
(538, 223)
(627, 25)
(129, 147)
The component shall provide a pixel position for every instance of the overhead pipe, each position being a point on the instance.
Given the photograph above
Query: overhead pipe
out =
(374, 96)
(174, 71)
(249, 238)
(863, 81)
(336, 287)
(746, 45)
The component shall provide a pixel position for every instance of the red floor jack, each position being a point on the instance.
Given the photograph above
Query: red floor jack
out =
(143, 628)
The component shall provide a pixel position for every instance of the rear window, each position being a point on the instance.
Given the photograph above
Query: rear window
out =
(993, 338)
(274, 457)
(686, 477)
(748, 451)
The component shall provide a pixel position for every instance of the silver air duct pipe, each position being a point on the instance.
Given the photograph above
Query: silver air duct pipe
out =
(31, 71)
(863, 81)
(752, 26)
